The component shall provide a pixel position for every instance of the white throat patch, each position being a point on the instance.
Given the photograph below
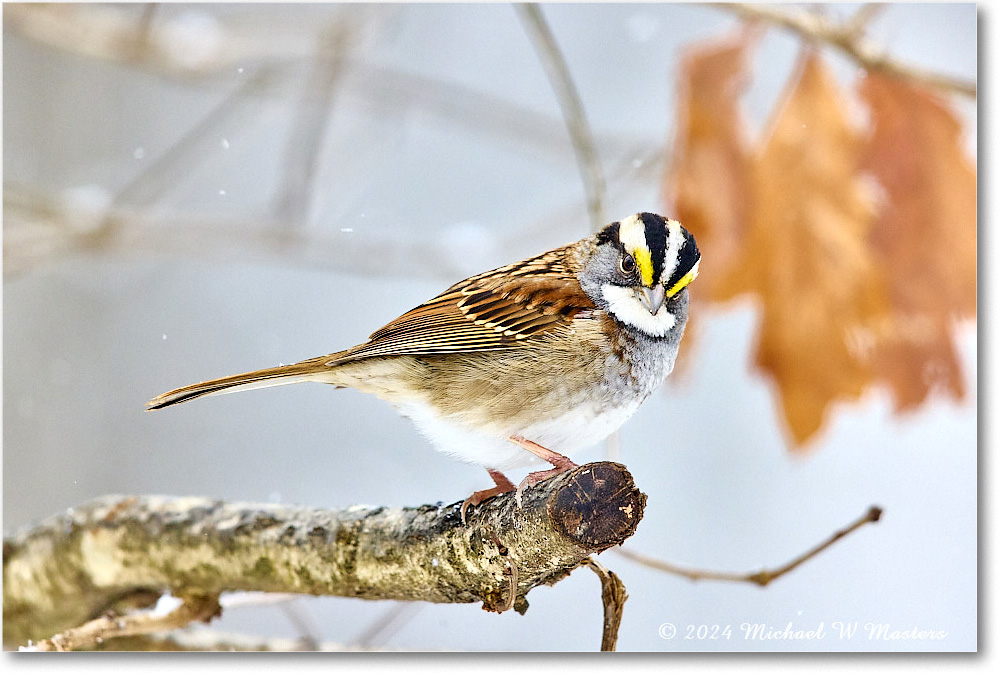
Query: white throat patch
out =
(623, 303)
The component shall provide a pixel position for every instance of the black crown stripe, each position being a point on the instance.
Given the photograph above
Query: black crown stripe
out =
(656, 241)
(610, 234)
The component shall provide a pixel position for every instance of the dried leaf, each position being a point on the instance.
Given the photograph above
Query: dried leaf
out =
(925, 236)
(806, 253)
(708, 178)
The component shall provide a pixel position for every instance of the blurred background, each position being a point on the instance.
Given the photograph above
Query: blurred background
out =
(192, 191)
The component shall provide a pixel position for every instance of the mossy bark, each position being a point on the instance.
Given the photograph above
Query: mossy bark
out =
(76, 565)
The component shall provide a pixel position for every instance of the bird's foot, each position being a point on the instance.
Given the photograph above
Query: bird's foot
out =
(560, 463)
(538, 477)
(503, 485)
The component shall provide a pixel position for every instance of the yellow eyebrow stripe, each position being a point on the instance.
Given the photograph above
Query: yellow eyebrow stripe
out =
(645, 262)
(684, 281)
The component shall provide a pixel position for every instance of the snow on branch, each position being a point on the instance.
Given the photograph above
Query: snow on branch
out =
(75, 567)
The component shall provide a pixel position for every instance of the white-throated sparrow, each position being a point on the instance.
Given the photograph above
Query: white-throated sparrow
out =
(525, 362)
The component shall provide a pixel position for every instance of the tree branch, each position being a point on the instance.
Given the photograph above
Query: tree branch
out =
(763, 577)
(613, 596)
(111, 33)
(95, 632)
(309, 128)
(849, 39)
(41, 228)
(572, 109)
(71, 568)
(206, 640)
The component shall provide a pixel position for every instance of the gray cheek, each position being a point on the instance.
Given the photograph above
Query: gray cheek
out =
(593, 285)
(678, 306)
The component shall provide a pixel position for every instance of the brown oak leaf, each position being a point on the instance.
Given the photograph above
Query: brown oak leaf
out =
(924, 237)
(707, 177)
(707, 181)
(806, 256)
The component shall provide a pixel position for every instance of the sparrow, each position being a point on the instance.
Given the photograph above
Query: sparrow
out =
(526, 363)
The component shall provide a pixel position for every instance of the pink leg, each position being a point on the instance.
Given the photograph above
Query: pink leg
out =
(561, 463)
(503, 485)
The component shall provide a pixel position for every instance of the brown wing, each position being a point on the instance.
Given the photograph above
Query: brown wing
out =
(498, 309)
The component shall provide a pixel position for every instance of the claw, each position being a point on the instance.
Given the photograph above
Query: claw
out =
(561, 464)
(503, 485)
(537, 477)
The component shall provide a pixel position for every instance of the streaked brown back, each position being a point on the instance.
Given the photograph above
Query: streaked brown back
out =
(498, 309)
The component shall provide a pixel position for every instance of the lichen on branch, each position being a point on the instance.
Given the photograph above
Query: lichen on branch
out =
(75, 566)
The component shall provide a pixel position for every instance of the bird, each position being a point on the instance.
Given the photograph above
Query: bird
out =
(526, 363)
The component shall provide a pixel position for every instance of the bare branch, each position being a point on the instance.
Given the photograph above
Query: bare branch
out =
(163, 173)
(393, 619)
(144, 27)
(859, 21)
(42, 228)
(111, 33)
(572, 109)
(39, 230)
(74, 29)
(594, 184)
(103, 628)
(613, 596)
(849, 40)
(199, 639)
(309, 126)
(72, 567)
(763, 577)
(307, 641)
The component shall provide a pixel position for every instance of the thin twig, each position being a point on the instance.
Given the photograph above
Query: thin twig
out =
(106, 627)
(111, 33)
(39, 230)
(851, 42)
(302, 160)
(763, 577)
(200, 639)
(572, 109)
(613, 596)
(387, 625)
(579, 131)
(292, 608)
(388, 88)
(145, 25)
(162, 174)
(860, 20)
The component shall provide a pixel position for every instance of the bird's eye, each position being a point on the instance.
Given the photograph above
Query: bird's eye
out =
(627, 264)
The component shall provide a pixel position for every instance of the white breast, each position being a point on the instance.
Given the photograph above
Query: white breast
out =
(579, 428)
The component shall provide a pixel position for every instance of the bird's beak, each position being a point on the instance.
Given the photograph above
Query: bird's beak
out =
(652, 298)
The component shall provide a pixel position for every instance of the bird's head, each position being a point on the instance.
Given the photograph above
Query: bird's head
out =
(641, 267)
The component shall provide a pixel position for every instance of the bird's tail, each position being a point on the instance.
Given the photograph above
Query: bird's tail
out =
(312, 370)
